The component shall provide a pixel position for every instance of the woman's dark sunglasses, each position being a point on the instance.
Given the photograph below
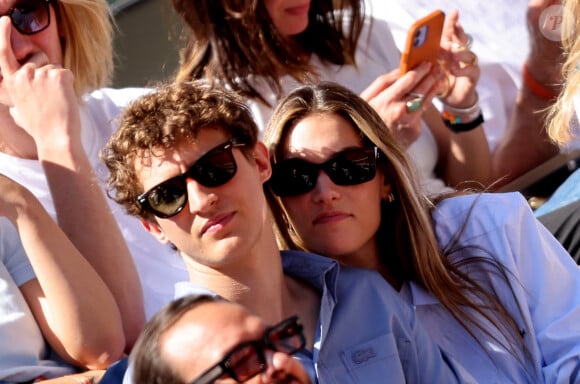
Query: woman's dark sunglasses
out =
(30, 16)
(246, 360)
(213, 169)
(293, 177)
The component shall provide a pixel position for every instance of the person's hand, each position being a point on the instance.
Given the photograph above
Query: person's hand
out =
(40, 95)
(390, 95)
(459, 64)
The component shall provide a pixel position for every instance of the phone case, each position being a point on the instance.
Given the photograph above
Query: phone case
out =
(423, 41)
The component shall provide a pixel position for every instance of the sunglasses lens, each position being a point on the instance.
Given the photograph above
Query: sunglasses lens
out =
(215, 168)
(247, 361)
(30, 16)
(168, 198)
(293, 177)
(352, 167)
(287, 337)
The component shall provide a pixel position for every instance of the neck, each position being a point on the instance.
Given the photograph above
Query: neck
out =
(255, 280)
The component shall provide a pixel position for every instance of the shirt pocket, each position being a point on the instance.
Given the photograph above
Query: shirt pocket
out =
(377, 361)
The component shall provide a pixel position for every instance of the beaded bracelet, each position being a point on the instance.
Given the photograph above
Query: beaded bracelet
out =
(462, 119)
(455, 124)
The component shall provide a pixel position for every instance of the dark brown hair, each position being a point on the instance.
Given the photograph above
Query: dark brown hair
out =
(230, 41)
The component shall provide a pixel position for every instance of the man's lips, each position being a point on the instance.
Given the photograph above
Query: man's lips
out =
(216, 223)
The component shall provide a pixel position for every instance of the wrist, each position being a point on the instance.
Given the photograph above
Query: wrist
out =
(538, 85)
(462, 119)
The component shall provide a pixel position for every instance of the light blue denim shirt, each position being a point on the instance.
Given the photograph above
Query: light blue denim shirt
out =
(366, 333)
(543, 294)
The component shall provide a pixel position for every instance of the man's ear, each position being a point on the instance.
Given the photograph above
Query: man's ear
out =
(262, 159)
(155, 230)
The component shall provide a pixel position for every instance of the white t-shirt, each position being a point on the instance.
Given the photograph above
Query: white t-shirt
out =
(376, 55)
(24, 354)
(159, 267)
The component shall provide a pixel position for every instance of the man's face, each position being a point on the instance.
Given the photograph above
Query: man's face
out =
(218, 225)
(206, 334)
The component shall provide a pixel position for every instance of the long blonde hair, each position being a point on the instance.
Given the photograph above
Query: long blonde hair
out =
(406, 232)
(562, 111)
(86, 30)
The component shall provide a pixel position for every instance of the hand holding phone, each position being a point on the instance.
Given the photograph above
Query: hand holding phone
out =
(423, 41)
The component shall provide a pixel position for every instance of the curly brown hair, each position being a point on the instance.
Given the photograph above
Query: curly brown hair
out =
(158, 121)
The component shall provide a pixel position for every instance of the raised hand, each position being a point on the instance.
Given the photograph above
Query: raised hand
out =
(390, 95)
(459, 64)
(40, 95)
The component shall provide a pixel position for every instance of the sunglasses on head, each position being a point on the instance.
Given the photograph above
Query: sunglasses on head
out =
(30, 16)
(213, 169)
(293, 177)
(247, 360)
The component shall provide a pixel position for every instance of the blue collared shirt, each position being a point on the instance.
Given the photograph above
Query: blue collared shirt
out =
(544, 279)
(366, 333)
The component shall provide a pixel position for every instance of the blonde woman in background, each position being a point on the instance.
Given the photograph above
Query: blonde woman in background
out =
(561, 213)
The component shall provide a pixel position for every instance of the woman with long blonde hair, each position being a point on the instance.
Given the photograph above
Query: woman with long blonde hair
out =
(493, 287)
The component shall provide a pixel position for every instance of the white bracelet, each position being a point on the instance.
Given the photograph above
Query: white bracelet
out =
(469, 111)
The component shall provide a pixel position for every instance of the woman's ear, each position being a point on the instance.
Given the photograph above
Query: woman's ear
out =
(387, 192)
(262, 159)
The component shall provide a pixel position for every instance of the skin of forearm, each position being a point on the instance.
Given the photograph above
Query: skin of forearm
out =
(84, 215)
(526, 143)
(79, 312)
(470, 158)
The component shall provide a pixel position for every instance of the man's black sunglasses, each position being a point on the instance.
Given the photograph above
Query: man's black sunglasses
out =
(213, 169)
(293, 177)
(246, 360)
(30, 16)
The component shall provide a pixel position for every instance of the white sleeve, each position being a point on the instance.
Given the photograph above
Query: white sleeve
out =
(13, 255)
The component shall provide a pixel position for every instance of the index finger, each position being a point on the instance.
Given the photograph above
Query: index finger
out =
(8, 62)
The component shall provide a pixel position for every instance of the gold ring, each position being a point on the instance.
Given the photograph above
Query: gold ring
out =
(473, 62)
(415, 102)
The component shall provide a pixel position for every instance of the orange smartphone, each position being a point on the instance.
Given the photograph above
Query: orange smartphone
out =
(423, 41)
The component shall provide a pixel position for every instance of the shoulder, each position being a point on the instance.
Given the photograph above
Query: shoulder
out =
(100, 108)
(363, 288)
(111, 99)
(485, 210)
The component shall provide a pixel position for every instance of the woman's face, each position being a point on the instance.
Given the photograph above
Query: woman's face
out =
(290, 17)
(339, 221)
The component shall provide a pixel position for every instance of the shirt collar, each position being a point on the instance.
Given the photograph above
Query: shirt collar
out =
(416, 294)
